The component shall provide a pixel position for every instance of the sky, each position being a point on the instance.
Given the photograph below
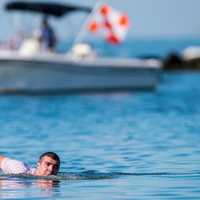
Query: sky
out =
(149, 18)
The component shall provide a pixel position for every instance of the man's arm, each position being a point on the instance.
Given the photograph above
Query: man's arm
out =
(11, 166)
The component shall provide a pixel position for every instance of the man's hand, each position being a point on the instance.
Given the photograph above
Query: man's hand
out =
(1, 159)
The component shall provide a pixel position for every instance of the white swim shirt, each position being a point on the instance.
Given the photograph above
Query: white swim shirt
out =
(11, 166)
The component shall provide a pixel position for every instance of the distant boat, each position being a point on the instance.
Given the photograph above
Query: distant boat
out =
(27, 71)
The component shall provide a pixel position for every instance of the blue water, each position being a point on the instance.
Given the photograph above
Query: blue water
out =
(134, 145)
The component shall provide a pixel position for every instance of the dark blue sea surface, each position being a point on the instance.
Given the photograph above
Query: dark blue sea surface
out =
(133, 145)
(138, 47)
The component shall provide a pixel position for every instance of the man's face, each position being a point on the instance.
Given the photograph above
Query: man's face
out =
(47, 166)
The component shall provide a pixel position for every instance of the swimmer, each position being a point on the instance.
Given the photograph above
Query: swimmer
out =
(48, 164)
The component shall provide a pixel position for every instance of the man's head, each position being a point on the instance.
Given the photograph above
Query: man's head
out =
(45, 21)
(48, 164)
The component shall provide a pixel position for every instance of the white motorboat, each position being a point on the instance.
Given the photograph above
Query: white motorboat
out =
(191, 53)
(52, 72)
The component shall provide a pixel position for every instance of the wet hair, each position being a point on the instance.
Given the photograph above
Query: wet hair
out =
(52, 155)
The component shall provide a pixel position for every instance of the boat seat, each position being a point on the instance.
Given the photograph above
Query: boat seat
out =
(30, 47)
(82, 50)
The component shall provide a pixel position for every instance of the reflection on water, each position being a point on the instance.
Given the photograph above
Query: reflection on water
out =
(12, 188)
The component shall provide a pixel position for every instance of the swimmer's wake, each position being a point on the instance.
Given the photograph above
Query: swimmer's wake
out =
(92, 175)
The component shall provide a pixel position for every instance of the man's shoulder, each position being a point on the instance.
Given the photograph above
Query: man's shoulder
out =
(31, 171)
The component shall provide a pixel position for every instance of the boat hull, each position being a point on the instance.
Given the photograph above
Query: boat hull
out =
(61, 74)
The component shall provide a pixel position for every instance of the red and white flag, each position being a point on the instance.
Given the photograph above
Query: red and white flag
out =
(111, 23)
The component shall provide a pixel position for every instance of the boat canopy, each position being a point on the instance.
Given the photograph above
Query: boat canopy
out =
(50, 8)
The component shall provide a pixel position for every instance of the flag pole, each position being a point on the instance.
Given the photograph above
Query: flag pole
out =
(82, 29)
